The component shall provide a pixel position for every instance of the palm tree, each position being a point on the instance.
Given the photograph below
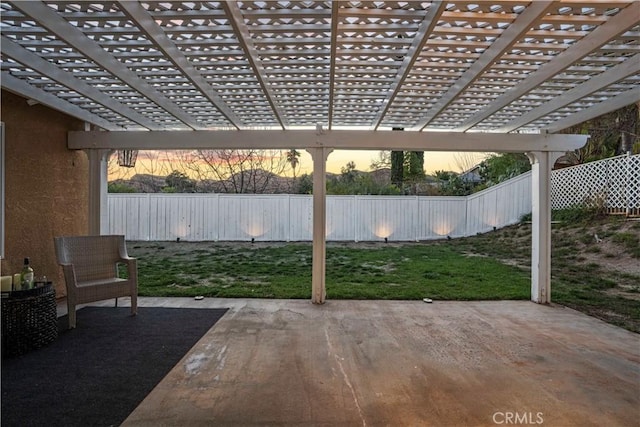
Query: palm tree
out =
(292, 158)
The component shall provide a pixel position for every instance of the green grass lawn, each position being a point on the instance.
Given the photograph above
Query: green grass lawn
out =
(364, 271)
(490, 266)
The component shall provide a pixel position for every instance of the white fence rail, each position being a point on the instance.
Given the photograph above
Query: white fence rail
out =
(283, 217)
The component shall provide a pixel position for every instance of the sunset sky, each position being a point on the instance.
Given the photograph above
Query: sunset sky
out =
(450, 161)
(433, 160)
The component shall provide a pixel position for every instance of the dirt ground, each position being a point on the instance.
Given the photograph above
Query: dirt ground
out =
(608, 247)
(612, 256)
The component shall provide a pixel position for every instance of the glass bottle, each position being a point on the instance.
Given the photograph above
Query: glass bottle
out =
(26, 276)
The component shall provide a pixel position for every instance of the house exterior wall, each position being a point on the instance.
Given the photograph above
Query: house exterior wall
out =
(46, 186)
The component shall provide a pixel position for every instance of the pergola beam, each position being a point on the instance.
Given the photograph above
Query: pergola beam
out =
(28, 91)
(628, 97)
(422, 36)
(618, 24)
(621, 71)
(234, 14)
(508, 38)
(33, 61)
(335, 9)
(91, 49)
(335, 139)
(147, 23)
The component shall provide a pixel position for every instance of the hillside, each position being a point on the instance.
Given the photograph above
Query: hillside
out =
(595, 264)
(264, 182)
(252, 181)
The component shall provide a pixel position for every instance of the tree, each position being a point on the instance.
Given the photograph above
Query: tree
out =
(382, 162)
(610, 134)
(501, 167)
(466, 160)
(397, 168)
(178, 182)
(452, 184)
(352, 181)
(407, 167)
(349, 172)
(345, 182)
(114, 171)
(293, 157)
(305, 184)
(150, 165)
(413, 171)
(239, 171)
(415, 165)
(444, 175)
(154, 162)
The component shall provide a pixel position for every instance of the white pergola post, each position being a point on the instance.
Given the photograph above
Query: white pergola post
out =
(541, 164)
(98, 189)
(318, 285)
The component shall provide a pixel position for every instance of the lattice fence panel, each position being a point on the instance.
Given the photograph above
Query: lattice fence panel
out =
(613, 184)
(633, 186)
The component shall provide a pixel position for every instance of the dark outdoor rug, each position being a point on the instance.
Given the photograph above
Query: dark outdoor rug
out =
(96, 374)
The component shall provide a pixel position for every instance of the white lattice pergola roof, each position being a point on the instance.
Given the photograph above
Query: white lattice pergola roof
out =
(491, 66)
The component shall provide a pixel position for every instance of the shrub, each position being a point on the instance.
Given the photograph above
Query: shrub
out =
(577, 214)
(574, 214)
(119, 187)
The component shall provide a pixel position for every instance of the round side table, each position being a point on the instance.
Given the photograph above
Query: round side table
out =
(29, 320)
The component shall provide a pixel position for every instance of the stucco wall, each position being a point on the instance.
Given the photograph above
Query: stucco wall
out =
(46, 186)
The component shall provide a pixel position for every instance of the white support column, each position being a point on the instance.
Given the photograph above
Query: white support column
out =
(318, 286)
(541, 164)
(98, 189)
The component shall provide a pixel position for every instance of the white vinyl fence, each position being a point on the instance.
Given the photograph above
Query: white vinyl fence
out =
(288, 217)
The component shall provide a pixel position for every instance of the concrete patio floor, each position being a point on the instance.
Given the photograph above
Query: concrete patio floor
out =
(398, 363)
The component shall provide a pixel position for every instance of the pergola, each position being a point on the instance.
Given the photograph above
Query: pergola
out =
(497, 76)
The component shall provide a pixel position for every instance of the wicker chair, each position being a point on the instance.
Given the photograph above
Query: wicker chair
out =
(90, 266)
